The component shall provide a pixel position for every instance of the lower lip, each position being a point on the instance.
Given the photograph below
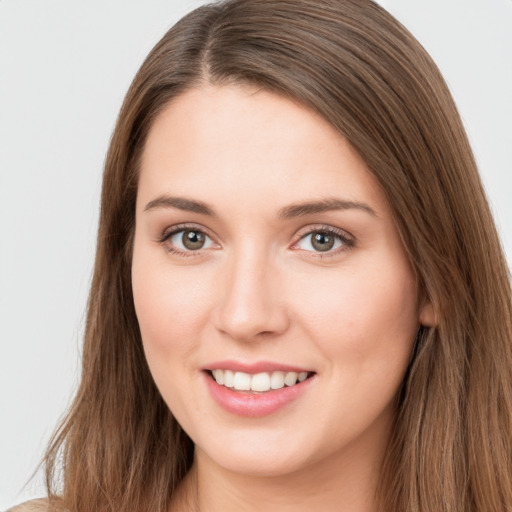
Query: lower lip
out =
(254, 405)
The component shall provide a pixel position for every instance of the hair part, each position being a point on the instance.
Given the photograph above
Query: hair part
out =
(356, 66)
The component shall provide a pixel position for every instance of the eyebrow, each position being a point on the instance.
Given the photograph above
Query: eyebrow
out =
(288, 212)
(325, 205)
(181, 203)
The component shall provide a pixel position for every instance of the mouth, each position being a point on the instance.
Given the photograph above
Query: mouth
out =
(262, 382)
(261, 390)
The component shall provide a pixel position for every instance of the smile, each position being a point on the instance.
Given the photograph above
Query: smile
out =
(259, 382)
(258, 393)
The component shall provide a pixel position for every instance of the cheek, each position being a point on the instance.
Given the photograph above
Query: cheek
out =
(361, 313)
(170, 306)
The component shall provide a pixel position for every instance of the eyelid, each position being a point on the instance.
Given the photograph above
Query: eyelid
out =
(175, 228)
(347, 238)
(170, 231)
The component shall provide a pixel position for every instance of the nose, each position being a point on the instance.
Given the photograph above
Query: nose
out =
(251, 304)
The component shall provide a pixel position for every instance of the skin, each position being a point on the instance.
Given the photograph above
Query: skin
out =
(259, 291)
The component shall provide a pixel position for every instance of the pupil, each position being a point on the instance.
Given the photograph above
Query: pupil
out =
(322, 241)
(193, 240)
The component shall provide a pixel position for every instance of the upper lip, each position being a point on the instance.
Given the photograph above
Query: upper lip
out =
(255, 367)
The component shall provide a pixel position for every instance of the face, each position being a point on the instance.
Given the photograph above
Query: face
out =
(275, 301)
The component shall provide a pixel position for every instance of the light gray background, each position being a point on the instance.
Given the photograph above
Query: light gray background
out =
(64, 68)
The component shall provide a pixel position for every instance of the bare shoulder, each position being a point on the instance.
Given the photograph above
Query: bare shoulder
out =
(39, 505)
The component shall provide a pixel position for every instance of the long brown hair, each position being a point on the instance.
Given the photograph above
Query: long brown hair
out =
(120, 449)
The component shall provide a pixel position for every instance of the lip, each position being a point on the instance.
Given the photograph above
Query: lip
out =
(255, 367)
(250, 404)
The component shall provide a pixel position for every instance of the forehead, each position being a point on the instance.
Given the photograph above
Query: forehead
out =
(248, 143)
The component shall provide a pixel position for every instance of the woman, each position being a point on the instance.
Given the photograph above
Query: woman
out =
(299, 297)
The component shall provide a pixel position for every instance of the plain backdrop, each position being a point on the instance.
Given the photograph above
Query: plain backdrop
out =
(64, 68)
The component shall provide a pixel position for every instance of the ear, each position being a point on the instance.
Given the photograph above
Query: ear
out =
(427, 314)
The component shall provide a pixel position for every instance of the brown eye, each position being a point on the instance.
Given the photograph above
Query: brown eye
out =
(322, 241)
(187, 240)
(193, 240)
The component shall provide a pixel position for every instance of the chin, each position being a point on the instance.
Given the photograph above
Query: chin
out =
(256, 454)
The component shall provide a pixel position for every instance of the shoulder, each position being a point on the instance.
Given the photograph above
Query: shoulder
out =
(40, 505)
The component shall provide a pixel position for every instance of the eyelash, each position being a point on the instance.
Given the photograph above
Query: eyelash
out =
(346, 240)
(169, 233)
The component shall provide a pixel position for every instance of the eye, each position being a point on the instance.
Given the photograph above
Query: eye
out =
(187, 240)
(323, 241)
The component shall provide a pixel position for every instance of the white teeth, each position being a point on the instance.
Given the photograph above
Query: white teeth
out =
(259, 382)
(277, 380)
(218, 376)
(290, 378)
(242, 381)
(229, 378)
